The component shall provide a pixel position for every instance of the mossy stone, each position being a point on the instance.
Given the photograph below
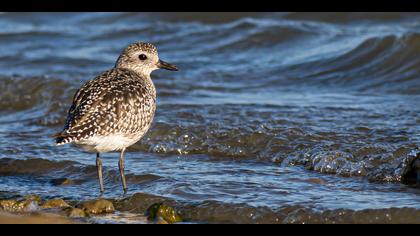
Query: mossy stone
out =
(55, 203)
(100, 206)
(76, 213)
(18, 206)
(7, 205)
(161, 221)
(34, 197)
(159, 211)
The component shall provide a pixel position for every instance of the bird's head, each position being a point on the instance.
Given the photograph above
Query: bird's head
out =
(142, 58)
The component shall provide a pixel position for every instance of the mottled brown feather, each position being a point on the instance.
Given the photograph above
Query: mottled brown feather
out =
(118, 101)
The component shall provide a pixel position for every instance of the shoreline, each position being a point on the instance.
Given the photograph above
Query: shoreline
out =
(141, 208)
(34, 218)
(32, 209)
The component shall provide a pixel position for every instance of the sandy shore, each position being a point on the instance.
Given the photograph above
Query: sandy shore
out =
(34, 218)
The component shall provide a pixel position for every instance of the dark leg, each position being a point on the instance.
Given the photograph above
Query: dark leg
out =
(121, 165)
(99, 167)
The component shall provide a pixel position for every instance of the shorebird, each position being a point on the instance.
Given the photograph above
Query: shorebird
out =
(114, 110)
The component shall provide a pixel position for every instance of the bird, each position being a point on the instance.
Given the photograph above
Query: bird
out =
(115, 109)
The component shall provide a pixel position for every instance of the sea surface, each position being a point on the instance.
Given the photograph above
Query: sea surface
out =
(272, 118)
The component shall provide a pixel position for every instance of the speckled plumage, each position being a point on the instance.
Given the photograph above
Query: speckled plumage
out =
(117, 102)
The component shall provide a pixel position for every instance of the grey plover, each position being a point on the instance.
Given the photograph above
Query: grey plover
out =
(114, 110)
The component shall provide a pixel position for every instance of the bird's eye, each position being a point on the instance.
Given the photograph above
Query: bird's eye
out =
(142, 57)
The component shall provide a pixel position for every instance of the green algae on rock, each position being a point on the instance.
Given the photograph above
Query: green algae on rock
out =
(161, 213)
(140, 202)
(100, 206)
(55, 203)
(34, 197)
(22, 204)
(161, 222)
(7, 205)
(76, 212)
(18, 206)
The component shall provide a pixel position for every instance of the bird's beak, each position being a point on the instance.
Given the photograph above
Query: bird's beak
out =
(164, 65)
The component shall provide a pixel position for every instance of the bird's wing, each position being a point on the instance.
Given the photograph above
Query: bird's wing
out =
(108, 105)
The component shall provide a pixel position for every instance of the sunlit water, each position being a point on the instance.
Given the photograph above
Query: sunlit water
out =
(272, 110)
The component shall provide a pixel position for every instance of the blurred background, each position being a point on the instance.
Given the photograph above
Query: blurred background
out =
(273, 117)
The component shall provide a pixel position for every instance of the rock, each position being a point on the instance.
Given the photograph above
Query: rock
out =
(140, 202)
(62, 181)
(55, 203)
(158, 212)
(18, 206)
(26, 206)
(161, 221)
(76, 213)
(34, 197)
(100, 206)
(7, 205)
(410, 173)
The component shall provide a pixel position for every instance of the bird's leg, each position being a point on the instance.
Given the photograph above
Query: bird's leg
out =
(99, 167)
(121, 165)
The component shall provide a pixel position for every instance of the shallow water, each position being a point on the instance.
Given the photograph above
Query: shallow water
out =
(280, 116)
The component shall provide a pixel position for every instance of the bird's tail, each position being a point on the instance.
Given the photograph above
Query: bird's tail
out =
(62, 138)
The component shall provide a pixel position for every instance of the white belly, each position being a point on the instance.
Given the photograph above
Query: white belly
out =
(108, 143)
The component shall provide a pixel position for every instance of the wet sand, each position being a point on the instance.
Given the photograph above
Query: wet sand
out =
(35, 218)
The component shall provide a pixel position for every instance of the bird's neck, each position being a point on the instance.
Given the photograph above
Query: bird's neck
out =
(144, 78)
(141, 72)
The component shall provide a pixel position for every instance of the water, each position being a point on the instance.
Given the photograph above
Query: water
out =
(273, 117)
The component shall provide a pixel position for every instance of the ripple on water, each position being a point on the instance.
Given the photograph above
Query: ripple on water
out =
(266, 116)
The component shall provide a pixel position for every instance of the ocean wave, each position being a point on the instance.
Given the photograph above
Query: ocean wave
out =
(20, 93)
(266, 50)
(285, 135)
(59, 170)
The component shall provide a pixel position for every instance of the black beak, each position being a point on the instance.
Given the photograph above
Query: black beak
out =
(164, 65)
